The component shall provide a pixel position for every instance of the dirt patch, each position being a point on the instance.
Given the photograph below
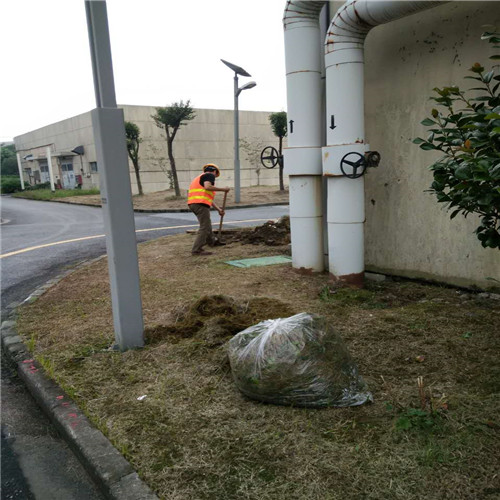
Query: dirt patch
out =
(271, 233)
(216, 318)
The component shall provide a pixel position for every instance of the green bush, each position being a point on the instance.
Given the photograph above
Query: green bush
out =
(467, 132)
(9, 184)
(43, 185)
(47, 194)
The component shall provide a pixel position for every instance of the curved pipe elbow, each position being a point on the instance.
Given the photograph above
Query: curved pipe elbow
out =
(355, 19)
(300, 13)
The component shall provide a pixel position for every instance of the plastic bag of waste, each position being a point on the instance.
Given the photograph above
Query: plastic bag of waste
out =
(297, 361)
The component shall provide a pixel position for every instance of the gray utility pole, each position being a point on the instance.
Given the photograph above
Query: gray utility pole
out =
(237, 91)
(20, 168)
(116, 193)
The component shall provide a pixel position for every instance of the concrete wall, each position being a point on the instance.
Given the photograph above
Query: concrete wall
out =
(407, 231)
(206, 139)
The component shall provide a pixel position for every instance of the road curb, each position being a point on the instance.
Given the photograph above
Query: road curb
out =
(111, 472)
(171, 210)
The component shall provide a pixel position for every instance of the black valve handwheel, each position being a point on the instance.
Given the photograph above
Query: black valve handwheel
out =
(358, 166)
(269, 157)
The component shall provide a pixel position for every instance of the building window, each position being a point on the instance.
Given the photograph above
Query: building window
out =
(93, 167)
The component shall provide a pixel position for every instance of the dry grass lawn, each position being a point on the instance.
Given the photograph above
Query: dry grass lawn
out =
(166, 200)
(194, 437)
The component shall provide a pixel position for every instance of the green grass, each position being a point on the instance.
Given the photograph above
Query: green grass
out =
(47, 194)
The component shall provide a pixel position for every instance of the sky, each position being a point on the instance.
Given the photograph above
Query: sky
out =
(163, 51)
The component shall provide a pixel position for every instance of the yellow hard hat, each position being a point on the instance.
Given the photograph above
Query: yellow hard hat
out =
(210, 167)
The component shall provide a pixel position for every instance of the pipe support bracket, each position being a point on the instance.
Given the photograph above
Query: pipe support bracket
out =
(302, 161)
(332, 157)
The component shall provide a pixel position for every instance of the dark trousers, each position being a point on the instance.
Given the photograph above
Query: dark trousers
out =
(205, 233)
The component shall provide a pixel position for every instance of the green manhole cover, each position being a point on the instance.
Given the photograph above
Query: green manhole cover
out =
(260, 261)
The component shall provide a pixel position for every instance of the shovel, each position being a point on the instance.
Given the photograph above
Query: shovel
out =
(222, 217)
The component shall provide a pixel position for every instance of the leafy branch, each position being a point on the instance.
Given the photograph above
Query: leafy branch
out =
(465, 128)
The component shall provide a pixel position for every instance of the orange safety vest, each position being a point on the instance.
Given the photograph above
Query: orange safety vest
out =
(198, 194)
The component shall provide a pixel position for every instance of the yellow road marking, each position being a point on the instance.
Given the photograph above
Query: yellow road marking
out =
(84, 238)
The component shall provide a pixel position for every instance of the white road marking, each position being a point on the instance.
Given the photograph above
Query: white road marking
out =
(84, 238)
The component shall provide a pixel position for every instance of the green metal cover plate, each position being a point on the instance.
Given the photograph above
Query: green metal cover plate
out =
(260, 261)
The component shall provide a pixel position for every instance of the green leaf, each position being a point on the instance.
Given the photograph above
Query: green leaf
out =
(487, 78)
(426, 146)
(428, 122)
(462, 172)
(418, 140)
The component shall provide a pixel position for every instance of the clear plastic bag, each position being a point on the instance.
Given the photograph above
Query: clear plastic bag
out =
(297, 361)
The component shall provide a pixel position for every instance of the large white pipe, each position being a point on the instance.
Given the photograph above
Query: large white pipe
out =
(344, 63)
(302, 157)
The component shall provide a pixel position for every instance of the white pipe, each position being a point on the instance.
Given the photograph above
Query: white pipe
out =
(49, 166)
(302, 157)
(20, 168)
(344, 63)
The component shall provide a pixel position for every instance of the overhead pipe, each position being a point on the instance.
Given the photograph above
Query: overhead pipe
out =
(344, 63)
(303, 60)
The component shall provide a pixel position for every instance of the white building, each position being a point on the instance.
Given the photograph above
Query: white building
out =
(206, 139)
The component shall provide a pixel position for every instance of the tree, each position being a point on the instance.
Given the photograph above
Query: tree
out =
(467, 133)
(278, 125)
(133, 135)
(8, 160)
(157, 160)
(252, 149)
(171, 118)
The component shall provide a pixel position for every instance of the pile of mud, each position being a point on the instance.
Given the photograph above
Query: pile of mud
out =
(214, 319)
(271, 233)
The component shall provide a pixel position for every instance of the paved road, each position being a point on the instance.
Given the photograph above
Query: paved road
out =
(32, 224)
(36, 463)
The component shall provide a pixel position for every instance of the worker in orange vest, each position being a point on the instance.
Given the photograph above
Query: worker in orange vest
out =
(201, 196)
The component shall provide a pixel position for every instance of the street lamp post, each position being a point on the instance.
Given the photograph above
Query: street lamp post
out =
(116, 194)
(237, 91)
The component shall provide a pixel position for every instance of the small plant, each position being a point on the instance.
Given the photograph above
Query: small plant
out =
(414, 418)
(467, 132)
(30, 344)
(428, 416)
(48, 365)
